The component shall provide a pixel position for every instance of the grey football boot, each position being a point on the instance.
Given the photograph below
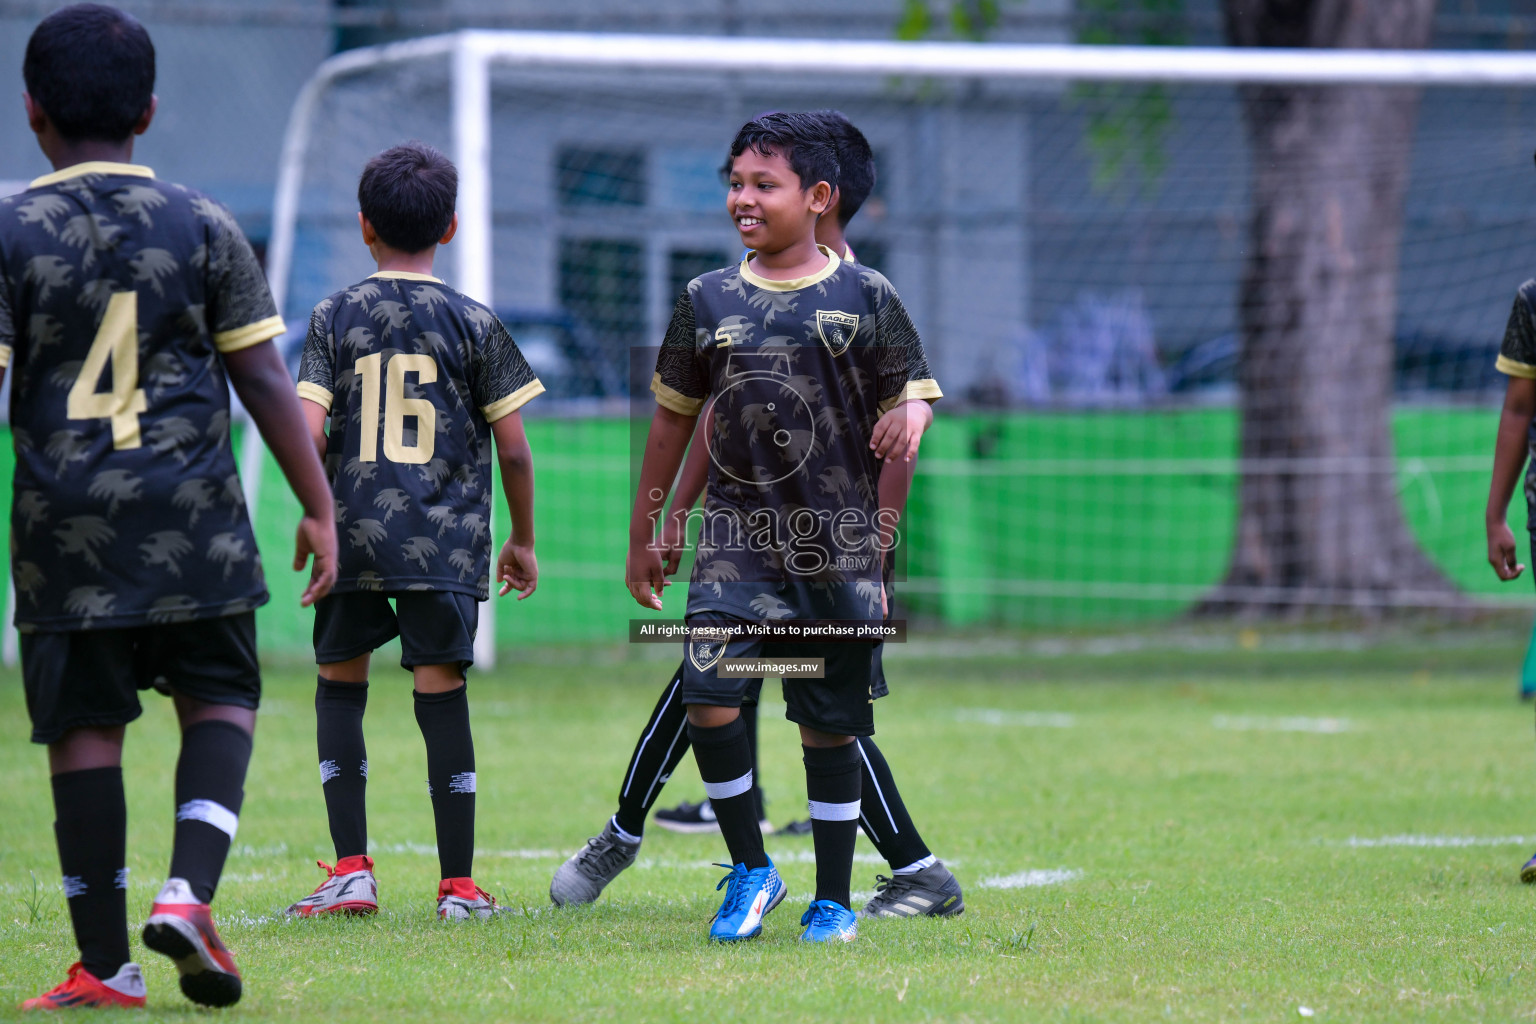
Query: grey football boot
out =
(582, 878)
(931, 892)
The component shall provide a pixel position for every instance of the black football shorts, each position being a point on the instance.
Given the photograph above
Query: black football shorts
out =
(91, 677)
(435, 627)
(842, 703)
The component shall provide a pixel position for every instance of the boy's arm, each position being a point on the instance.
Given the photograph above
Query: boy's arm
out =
(516, 567)
(262, 382)
(695, 475)
(1509, 453)
(664, 447)
(314, 418)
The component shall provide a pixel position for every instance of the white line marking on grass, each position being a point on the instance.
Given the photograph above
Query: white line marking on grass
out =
(1025, 719)
(809, 857)
(1296, 723)
(1031, 879)
(1438, 841)
(523, 854)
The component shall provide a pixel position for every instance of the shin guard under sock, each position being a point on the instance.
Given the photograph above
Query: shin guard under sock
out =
(883, 813)
(725, 764)
(339, 711)
(210, 786)
(91, 826)
(444, 722)
(832, 782)
(662, 745)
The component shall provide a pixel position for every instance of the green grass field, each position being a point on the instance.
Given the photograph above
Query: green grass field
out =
(1215, 820)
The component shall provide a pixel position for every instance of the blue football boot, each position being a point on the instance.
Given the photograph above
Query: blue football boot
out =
(1528, 872)
(827, 921)
(749, 895)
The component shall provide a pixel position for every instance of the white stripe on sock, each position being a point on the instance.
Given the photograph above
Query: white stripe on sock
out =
(74, 886)
(212, 812)
(328, 771)
(726, 790)
(628, 781)
(821, 811)
(916, 866)
(121, 881)
(463, 782)
(878, 791)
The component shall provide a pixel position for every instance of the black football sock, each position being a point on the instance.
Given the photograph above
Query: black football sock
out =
(339, 711)
(884, 815)
(725, 765)
(749, 716)
(91, 826)
(444, 722)
(210, 786)
(663, 742)
(832, 784)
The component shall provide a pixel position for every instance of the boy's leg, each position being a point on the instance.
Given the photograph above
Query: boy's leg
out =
(832, 712)
(91, 827)
(210, 669)
(883, 814)
(724, 755)
(81, 693)
(341, 699)
(832, 786)
(662, 744)
(442, 713)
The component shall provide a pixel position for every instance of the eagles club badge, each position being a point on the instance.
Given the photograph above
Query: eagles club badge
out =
(836, 329)
(704, 651)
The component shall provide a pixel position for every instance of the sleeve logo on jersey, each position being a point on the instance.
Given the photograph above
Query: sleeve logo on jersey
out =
(836, 329)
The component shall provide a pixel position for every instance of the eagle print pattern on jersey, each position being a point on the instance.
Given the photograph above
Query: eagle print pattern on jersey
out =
(129, 511)
(800, 372)
(413, 374)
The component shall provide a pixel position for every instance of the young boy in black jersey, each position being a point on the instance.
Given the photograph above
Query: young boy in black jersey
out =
(1516, 440)
(127, 307)
(920, 884)
(802, 353)
(417, 380)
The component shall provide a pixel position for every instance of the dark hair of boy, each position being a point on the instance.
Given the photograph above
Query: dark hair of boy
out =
(801, 139)
(408, 194)
(92, 70)
(856, 163)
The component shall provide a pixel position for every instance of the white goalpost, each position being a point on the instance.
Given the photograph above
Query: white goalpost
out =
(473, 56)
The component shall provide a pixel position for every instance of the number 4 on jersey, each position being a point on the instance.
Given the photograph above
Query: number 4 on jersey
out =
(117, 342)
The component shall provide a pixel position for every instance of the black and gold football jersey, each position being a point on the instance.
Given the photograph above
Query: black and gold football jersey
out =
(413, 373)
(801, 371)
(118, 293)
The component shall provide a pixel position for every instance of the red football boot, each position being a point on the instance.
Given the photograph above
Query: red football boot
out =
(83, 989)
(460, 899)
(349, 888)
(182, 929)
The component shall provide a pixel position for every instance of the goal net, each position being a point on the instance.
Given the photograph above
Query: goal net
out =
(1216, 329)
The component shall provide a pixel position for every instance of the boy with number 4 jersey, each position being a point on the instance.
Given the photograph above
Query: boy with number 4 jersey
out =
(417, 380)
(128, 307)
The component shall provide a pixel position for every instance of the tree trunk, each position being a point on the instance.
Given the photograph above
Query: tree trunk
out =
(1319, 522)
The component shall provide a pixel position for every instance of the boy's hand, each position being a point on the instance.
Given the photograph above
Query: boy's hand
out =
(316, 537)
(674, 541)
(517, 569)
(1501, 551)
(644, 575)
(899, 432)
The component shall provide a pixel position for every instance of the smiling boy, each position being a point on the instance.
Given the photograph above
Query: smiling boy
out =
(803, 353)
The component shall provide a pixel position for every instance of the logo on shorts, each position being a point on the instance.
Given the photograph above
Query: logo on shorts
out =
(836, 329)
(705, 651)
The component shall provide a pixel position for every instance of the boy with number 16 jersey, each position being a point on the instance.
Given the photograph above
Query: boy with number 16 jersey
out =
(417, 380)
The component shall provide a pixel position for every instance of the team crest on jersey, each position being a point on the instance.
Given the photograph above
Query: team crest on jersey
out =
(836, 329)
(704, 650)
